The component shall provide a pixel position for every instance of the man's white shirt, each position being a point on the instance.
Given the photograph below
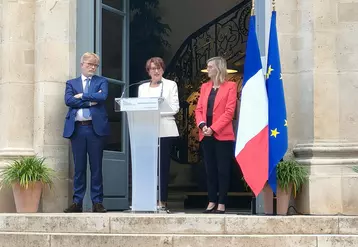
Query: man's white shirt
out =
(79, 115)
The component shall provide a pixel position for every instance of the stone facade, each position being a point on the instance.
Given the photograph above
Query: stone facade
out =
(38, 55)
(319, 53)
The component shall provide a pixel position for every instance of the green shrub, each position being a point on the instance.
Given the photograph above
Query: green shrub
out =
(26, 171)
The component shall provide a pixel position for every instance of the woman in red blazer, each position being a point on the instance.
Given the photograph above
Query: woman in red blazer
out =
(214, 115)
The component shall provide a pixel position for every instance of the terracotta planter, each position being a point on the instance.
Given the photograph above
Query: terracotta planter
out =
(27, 200)
(268, 200)
(283, 200)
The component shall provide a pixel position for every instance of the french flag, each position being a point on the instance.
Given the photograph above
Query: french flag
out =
(251, 148)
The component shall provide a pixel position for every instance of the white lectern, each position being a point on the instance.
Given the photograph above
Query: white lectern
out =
(143, 116)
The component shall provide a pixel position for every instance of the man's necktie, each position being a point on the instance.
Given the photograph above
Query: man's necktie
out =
(86, 112)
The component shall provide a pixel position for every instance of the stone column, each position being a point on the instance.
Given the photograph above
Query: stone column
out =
(323, 117)
(55, 62)
(16, 85)
(290, 46)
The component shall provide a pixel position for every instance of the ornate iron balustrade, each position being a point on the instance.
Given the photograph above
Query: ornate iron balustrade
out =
(224, 36)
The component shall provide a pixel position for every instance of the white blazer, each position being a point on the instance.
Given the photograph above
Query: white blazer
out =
(168, 126)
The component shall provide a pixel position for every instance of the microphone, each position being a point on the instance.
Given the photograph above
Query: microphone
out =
(140, 82)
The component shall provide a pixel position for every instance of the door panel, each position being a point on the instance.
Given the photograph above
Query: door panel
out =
(117, 4)
(116, 141)
(112, 45)
(115, 185)
(103, 27)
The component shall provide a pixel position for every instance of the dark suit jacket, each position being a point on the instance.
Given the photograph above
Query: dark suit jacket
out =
(98, 112)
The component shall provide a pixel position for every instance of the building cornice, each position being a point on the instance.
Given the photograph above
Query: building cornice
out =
(10, 153)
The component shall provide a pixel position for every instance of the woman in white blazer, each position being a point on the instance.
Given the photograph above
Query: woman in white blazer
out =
(167, 89)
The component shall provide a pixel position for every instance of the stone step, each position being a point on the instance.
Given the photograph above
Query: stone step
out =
(178, 224)
(11, 239)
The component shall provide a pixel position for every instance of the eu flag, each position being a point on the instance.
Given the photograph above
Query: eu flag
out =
(278, 139)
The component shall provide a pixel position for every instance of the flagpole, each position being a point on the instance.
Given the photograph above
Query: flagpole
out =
(274, 196)
(253, 8)
(253, 198)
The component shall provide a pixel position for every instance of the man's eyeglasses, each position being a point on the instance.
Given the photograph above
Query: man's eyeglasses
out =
(92, 64)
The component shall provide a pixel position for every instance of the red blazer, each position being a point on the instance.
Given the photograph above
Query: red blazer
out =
(223, 112)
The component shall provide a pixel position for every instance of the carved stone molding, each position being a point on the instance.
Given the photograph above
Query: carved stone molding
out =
(10, 153)
(327, 153)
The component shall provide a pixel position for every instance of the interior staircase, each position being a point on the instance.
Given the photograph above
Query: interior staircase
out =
(175, 230)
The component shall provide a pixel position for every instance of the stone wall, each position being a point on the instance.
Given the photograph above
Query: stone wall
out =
(55, 56)
(319, 53)
(38, 56)
(297, 95)
(16, 85)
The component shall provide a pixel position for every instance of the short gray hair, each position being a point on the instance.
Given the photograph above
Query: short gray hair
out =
(87, 55)
(221, 66)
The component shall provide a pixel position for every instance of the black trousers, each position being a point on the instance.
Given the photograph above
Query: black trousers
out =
(165, 147)
(218, 157)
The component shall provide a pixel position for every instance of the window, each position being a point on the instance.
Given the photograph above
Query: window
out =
(117, 4)
(111, 37)
(112, 45)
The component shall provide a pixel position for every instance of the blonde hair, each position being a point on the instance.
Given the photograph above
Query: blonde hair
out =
(221, 68)
(88, 55)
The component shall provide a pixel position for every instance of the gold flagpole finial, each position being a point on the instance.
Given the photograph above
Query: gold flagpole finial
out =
(274, 5)
(253, 7)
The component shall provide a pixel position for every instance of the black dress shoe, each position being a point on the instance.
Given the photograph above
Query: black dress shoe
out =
(211, 210)
(74, 208)
(98, 208)
(164, 209)
(220, 211)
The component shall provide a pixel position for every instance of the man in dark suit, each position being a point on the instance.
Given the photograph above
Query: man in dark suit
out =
(86, 125)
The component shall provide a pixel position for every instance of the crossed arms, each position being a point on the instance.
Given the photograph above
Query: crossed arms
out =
(85, 100)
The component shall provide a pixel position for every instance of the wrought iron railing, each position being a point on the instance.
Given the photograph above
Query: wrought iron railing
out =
(224, 36)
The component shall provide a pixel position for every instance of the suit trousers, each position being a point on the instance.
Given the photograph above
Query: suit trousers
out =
(165, 148)
(85, 141)
(218, 157)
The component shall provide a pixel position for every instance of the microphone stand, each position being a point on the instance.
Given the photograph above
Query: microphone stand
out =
(137, 83)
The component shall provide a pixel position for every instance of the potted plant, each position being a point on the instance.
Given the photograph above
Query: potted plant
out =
(290, 178)
(27, 176)
(355, 169)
